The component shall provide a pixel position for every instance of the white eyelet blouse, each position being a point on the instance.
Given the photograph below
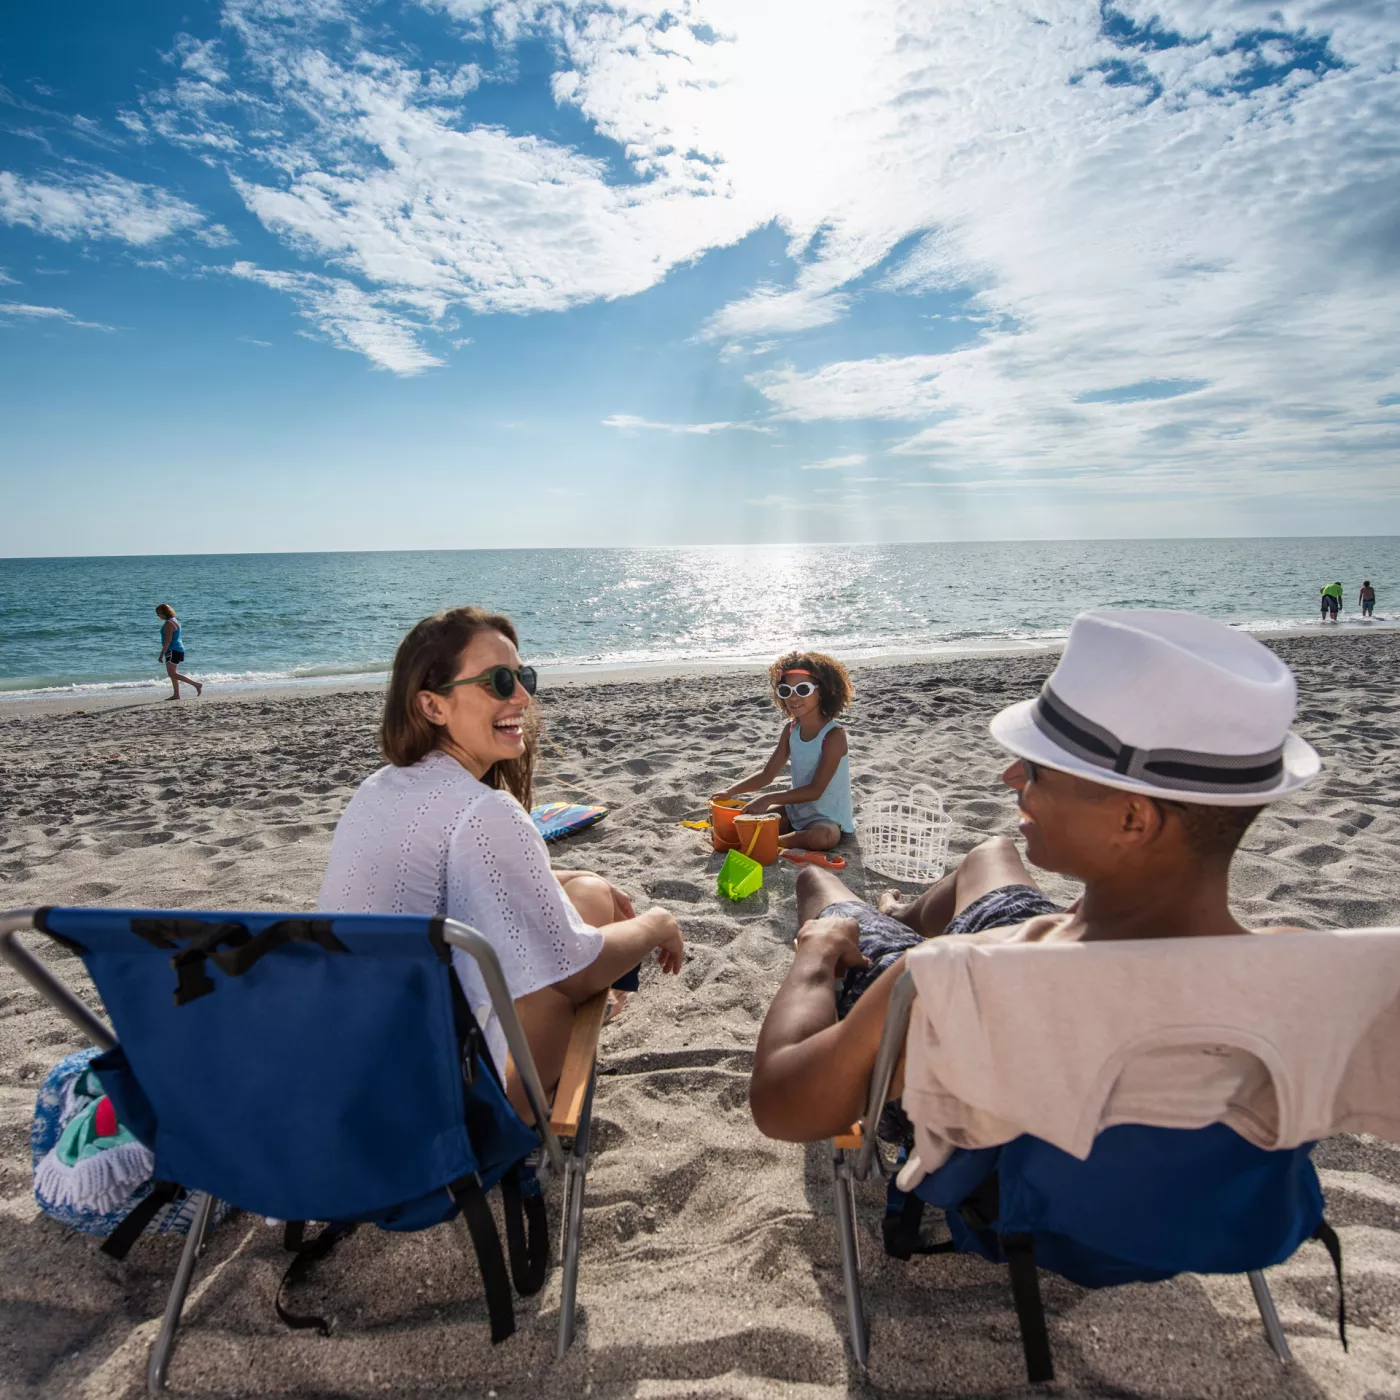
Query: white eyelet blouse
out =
(432, 839)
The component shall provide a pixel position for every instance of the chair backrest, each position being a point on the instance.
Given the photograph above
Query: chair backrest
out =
(302, 1067)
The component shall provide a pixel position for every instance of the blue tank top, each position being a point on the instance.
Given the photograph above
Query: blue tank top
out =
(834, 805)
(175, 643)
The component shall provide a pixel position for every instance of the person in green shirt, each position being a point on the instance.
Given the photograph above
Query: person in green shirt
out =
(1331, 601)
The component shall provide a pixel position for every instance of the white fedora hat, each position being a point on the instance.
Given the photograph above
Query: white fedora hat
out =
(1168, 704)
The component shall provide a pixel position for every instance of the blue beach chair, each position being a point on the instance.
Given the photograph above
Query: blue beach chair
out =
(1146, 1204)
(323, 1068)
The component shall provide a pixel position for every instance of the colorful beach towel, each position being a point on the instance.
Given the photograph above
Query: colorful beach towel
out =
(89, 1171)
(556, 819)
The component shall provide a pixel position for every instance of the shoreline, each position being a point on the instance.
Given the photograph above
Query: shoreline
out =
(29, 704)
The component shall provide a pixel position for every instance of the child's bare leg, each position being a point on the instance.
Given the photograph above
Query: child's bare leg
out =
(820, 836)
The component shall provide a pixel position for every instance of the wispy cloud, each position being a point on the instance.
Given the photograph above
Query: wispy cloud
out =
(888, 386)
(349, 317)
(96, 204)
(832, 464)
(629, 423)
(6, 279)
(770, 311)
(18, 311)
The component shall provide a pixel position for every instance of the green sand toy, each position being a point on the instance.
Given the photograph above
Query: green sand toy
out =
(739, 876)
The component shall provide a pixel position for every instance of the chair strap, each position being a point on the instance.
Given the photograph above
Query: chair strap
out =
(486, 1239)
(305, 1256)
(229, 945)
(1327, 1237)
(133, 1226)
(1030, 1309)
(527, 1230)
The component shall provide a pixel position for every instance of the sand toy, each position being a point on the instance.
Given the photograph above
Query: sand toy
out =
(756, 835)
(821, 858)
(722, 813)
(739, 876)
(905, 835)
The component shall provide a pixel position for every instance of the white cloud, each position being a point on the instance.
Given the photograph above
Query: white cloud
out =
(629, 423)
(1108, 207)
(349, 318)
(831, 464)
(886, 387)
(19, 311)
(769, 311)
(6, 279)
(96, 204)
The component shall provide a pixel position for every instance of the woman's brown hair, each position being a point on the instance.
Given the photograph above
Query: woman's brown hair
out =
(426, 660)
(165, 610)
(833, 684)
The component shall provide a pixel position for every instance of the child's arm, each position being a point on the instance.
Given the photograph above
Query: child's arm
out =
(833, 751)
(766, 774)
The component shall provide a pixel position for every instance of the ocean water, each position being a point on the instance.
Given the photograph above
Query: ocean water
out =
(79, 625)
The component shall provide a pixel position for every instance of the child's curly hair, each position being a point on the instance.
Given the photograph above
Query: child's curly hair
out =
(833, 684)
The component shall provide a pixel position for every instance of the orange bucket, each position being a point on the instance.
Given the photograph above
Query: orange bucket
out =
(722, 813)
(757, 837)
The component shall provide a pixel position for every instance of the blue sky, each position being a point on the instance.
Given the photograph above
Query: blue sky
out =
(323, 274)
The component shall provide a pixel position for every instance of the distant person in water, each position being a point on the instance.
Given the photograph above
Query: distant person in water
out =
(1331, 601)
(172, 650)
(1367, 598)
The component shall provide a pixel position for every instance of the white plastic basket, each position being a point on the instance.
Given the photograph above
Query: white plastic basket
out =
(905, 836)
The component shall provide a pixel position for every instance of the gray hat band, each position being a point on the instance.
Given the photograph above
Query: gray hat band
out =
(1182, 770)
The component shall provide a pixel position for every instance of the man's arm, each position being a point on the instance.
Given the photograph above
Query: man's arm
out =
(811, 1072)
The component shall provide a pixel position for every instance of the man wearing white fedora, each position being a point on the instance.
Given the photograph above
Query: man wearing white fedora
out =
(1138, 768)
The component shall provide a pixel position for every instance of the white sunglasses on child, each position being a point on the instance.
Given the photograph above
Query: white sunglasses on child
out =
(802, 689)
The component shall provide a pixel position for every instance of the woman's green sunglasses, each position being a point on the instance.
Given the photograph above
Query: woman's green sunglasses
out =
(501, 679)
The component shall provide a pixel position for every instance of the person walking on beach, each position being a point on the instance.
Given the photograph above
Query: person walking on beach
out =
(172, 651)
(1367, 598)
(811, 689)
(1331, 601)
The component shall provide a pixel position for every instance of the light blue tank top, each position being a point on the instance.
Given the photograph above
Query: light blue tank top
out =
(834, 805)
(175, 642)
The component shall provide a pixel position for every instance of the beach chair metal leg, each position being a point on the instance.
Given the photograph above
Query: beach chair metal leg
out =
(575, 1174)
(1273, 1328)
(160, 1352)
(850, 1254)
(45, 983)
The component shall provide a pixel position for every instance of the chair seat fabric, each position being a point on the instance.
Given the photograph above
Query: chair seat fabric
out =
(1145, 1204)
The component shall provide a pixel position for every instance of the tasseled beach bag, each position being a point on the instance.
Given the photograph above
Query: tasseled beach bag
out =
(89, 1171)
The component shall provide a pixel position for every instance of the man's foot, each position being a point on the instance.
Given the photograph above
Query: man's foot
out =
(890, 903)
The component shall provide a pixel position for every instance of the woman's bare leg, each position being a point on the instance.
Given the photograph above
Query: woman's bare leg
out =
(592, 896)
(547, 1018)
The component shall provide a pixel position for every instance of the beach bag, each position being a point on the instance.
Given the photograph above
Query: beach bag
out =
(91, 1173)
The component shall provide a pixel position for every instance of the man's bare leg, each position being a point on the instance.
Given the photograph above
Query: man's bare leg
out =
(996, 862)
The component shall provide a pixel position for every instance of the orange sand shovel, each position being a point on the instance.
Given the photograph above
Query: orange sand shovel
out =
(815, 858)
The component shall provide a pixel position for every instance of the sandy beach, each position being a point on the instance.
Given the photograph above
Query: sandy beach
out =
(710, 1264)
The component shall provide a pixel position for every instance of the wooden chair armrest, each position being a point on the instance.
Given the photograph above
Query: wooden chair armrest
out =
(578, 1066)
(849, 1141)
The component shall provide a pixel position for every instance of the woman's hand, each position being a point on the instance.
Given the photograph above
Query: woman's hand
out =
(670, 946)
(834, 941)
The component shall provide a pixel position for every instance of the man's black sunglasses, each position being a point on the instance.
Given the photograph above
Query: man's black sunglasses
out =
(501, 679)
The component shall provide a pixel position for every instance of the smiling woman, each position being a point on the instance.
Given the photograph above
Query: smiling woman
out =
(445, 829)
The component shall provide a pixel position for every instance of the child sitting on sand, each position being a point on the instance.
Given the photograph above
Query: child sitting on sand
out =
(811, 689)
